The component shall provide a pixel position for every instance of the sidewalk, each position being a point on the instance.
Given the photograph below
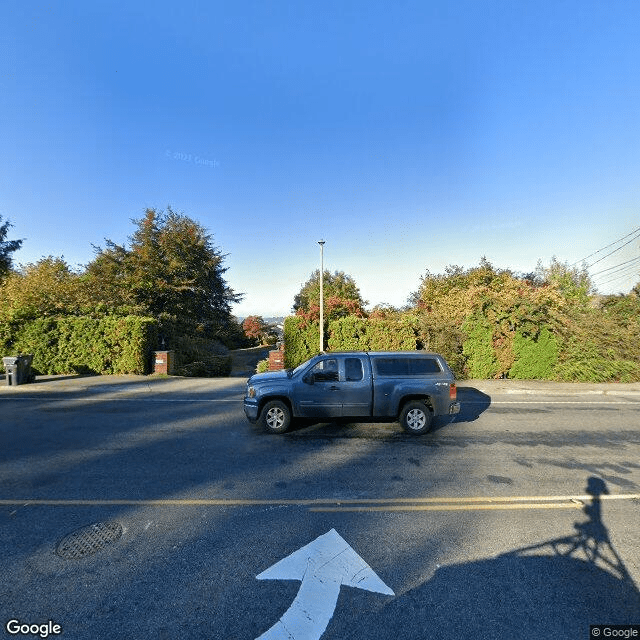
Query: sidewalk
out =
(124, 385)
(546, 387)
(131, 384)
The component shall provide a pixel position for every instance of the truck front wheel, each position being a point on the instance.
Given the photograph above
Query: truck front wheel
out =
(416, 417)
(275, 417)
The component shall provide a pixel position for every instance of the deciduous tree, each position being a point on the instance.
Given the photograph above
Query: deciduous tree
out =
(339, 290)
(48, 287)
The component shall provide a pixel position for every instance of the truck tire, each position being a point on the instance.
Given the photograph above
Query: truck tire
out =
(416, 417)
(275, 417)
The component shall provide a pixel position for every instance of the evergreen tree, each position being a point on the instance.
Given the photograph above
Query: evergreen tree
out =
(7, 247)
(171, 268)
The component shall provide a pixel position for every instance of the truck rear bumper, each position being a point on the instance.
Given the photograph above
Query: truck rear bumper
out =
(454, 407)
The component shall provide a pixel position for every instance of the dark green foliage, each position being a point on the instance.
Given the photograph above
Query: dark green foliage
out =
(79, 344)
(212, 367)
(195, 354)
(301, 341)
(348, 334)
(171, 272)
(439, 335)
(397, 333)
(535, 358)
(481, 361)
(7, 247)
(602, 344)
(171, 267)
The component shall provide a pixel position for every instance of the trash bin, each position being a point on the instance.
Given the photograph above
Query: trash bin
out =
(18, 369)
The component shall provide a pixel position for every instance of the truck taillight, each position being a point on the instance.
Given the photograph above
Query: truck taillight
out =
(453, 392)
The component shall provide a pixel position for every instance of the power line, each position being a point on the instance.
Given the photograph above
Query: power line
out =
(623, 274)
(615, 267)
(614, 251)
(635, 233)
(628, 272)
(622, 277)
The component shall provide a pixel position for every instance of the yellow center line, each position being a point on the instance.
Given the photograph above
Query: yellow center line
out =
(347, 504)
(455, 507)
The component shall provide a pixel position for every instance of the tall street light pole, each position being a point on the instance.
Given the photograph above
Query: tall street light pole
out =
(321, 243)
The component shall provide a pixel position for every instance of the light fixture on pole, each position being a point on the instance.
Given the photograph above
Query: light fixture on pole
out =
(321, 243)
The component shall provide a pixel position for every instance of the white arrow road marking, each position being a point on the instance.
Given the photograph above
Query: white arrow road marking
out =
(323, 566)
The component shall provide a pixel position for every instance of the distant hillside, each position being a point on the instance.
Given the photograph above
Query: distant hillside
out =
(268, 320)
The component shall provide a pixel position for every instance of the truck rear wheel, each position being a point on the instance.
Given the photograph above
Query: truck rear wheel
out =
(275, 417)
(416, 417)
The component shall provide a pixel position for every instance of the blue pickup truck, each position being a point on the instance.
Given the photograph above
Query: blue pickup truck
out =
(411, 387)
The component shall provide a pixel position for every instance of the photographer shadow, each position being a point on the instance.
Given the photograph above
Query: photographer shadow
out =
(554, 589)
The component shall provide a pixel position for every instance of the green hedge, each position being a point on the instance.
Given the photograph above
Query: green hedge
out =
(301, 341)
(586, 360)
(373, 334)
(79, 344)
(478, 349)
(589, 345)
(535, 358)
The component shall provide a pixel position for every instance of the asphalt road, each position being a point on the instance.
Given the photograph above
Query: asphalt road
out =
(516, 519)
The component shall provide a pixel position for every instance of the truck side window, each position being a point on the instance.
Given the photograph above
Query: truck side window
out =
(325, 371)
(406, 366)
(423, 366)
(353, 369)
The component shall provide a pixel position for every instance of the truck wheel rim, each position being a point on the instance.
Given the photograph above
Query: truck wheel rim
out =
(275, 418)
(416, 419)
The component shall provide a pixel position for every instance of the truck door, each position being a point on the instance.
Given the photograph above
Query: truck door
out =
(319, 394)
(357, 390)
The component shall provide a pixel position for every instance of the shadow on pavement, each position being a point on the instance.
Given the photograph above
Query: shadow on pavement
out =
(473, 404)
(554, 589)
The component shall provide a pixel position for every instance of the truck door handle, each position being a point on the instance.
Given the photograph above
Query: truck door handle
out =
(334, 388)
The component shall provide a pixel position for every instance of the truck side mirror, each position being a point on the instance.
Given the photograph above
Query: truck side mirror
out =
(308, 379)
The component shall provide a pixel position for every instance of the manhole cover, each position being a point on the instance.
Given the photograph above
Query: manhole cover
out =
(89, 540)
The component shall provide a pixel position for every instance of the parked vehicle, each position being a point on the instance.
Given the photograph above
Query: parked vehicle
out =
(411, 387)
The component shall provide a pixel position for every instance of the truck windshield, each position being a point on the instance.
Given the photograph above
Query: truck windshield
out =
(298, 369)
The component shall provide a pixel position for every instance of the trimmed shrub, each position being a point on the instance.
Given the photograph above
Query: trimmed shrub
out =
(80, 344)
(602, 344)
(478, 349)
(586, 362)
(212, 367)
(394, 334)
(349, 334)
(262, 366)
(373, 334)
(301, 341)
(535, 359)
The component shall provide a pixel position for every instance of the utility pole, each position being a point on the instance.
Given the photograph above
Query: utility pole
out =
(321, 243)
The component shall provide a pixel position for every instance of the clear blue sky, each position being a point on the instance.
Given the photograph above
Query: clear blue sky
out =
(408, 135)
